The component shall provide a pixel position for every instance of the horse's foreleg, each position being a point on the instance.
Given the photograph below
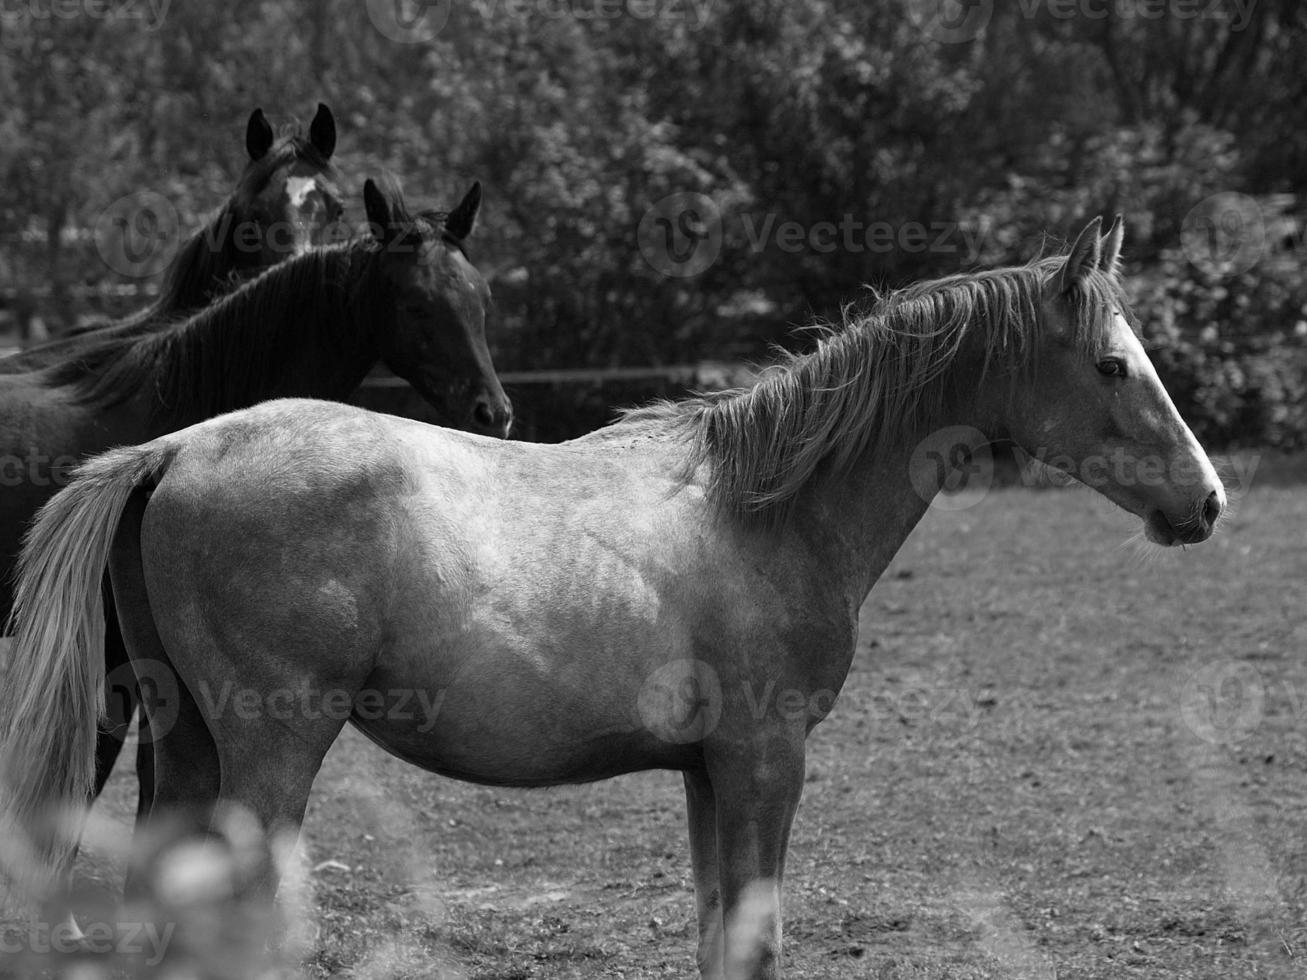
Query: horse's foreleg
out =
(757, 794)
(702, 809)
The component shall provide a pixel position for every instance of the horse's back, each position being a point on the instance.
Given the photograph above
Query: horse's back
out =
(288, 464)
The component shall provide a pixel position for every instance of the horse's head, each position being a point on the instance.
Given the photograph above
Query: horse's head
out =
(434, 316)
(286, 200)
(1095, 407)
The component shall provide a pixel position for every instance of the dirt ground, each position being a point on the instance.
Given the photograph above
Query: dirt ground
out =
(1058, 755)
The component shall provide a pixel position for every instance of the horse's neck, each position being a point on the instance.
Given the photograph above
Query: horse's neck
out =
(318, 372)
(869, 511)
(335, 369)
(312, 365)
(321, 348)
(304, 373)
(865, 515)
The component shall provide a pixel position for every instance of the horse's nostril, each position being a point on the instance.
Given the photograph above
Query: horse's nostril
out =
(484, 414)
(1211, 509)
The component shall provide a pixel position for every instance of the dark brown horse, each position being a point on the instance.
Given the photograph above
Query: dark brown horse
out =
(314, 325)
(285, 201)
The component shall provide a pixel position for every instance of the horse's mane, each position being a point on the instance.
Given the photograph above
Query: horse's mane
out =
(229, 354)
(874, 382)
(207, 265)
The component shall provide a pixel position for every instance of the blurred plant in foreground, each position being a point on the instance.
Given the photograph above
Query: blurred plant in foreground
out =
(196, 909)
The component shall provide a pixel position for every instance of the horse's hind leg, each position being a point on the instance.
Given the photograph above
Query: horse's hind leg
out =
(121, 696)
(268, 768)
(184, 757)
(144, 767)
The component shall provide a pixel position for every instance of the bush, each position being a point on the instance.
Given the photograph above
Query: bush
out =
(1231, 343)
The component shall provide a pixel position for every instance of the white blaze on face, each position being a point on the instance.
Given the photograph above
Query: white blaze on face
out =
(1125, 345)
(299, 189)
(305, 204)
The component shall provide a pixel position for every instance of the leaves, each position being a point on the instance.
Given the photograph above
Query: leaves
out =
(846, 123)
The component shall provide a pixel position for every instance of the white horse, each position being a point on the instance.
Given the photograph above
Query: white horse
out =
(575, 611)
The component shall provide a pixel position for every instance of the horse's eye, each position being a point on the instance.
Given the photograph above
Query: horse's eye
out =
(1112, 367)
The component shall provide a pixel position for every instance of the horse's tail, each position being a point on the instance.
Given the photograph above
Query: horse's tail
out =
(52, 694)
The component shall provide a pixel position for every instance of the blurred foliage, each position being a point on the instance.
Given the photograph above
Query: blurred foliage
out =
(197, 908)
(580, 116)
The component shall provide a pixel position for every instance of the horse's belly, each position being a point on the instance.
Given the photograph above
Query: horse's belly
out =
(492, 728)
(531, 659)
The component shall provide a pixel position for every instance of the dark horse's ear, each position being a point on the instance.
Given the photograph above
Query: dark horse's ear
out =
(258, 135)
(463, 219)
(322, 131)
(1084, 256)
(1111, 260)
(380, 218)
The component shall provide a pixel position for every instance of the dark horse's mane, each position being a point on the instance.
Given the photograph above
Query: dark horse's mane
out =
(209, 264)
(875, 381)
(231, 354)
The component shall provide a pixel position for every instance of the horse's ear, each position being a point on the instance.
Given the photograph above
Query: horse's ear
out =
(258, 135)
(1084, 256)
(322, 131)
(378, 211)
(463, 219)
(1111, 259)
